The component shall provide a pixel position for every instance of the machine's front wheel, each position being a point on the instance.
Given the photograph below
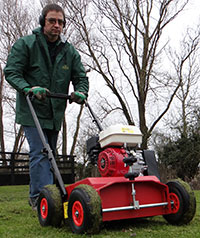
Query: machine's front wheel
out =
(84, 210)
(50, 212)
(184, 203)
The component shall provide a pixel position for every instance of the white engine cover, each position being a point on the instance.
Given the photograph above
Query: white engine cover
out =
(117, 135)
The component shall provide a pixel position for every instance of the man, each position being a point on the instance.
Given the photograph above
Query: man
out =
(39, 63)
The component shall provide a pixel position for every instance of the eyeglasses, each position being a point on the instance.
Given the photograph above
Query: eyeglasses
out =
(54, 20)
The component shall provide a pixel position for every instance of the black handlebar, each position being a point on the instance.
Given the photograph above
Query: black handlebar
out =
(51, 95)
(95, 119)
(58, 95)
(65, 96)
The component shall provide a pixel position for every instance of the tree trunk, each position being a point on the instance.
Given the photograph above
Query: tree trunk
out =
(17, 144)
(2, 144)
(143, 126)
(64, 137)
(77, 130)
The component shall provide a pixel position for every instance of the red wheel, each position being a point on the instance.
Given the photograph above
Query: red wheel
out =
(84, 210)
(44, 208)
(50, 210)
(184, 203)
(77, 213)
(176, 204)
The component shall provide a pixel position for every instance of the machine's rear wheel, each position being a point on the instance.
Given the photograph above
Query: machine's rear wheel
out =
(84, 210)
(184, 206)
(50, 212)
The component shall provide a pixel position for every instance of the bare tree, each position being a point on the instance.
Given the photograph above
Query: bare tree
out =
(185, 63)
(121, 40)
(15, 22)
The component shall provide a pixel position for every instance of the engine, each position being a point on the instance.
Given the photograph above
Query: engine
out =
(115, 162)
(115, 152)
(109, 151)
(110, 162)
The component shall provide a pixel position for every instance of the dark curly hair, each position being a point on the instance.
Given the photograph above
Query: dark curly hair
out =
(52, 7)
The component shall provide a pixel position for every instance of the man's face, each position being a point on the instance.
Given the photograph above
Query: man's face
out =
(53, 25)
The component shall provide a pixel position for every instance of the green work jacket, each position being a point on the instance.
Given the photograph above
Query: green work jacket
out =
(29, 64)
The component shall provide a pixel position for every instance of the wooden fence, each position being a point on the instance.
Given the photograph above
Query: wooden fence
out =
(14, 170)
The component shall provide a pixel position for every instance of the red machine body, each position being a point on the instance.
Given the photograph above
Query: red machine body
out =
(124, 198)
(118, 200)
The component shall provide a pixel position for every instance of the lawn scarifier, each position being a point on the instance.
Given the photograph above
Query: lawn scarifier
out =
(129, 186)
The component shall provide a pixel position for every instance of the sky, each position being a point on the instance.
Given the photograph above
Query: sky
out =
(189, 17)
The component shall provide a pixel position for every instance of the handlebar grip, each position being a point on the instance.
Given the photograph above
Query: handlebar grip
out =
(51, 95)
(58, 95)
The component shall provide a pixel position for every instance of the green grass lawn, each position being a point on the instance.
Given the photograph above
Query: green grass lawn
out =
(18, 220)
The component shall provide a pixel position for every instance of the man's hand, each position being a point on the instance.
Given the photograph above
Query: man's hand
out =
(77, 97)
(37, 91)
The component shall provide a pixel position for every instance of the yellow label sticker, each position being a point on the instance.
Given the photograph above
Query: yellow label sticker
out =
(128, 130)
(65, 67)
(65, 206)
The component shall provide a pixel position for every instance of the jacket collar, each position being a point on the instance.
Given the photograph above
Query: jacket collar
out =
(38, 31)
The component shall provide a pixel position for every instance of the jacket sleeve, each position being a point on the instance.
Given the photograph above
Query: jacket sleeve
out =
(79, 78)
(16, 65)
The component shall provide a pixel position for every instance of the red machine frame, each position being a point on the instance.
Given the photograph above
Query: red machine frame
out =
(121, 198)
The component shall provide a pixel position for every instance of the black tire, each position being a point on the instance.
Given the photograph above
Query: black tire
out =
(49, 207)
(84, 210)
(186, 200)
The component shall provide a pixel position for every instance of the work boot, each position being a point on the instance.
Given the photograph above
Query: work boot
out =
(33, 203)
